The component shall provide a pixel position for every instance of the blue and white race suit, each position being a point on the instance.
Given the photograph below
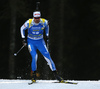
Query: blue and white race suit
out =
(35, 41)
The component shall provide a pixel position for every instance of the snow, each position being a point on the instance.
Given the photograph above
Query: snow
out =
(47, 84)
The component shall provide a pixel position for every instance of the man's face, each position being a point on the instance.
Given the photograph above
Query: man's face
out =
(36, 19)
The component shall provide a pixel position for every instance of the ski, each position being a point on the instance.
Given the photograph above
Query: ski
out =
(31, 83)
(70, 82)
(66, 82)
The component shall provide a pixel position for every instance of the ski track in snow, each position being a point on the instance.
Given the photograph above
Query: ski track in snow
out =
(47, 84)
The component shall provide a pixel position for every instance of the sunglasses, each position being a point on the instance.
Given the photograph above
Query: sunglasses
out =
(36, 17)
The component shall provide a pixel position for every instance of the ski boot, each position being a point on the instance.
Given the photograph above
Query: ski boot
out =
(60, 79)
(34, 77)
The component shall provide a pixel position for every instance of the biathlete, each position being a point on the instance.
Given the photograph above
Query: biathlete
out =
(35, 41)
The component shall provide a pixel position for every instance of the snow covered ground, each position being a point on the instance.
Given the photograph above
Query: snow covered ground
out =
(47, 84)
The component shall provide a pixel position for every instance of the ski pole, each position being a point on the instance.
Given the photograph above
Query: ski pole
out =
(37, 5)
(15, 54)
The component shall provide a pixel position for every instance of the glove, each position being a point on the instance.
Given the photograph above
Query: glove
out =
(47, 41)
(24, 42)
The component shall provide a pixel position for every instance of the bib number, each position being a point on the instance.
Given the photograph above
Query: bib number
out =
(35, 33)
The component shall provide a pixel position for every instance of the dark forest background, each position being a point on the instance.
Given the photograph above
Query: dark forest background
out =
(74, 38)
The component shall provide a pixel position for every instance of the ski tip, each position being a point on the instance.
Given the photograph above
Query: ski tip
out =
(75, 83)
(31, 83)
(70, 83)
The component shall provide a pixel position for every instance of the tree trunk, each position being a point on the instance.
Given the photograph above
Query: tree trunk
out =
(56, 27)
(12, 39)
(60, 42)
